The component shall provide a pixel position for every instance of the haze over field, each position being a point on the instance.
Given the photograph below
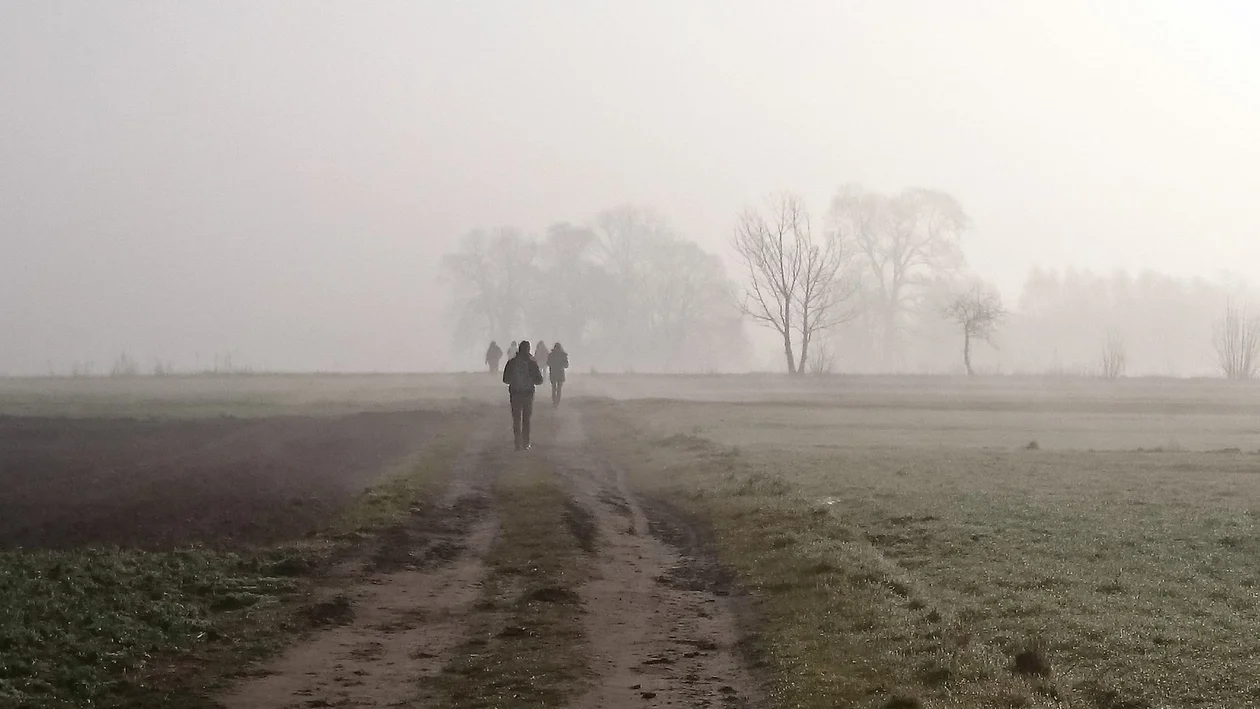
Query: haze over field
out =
(279, 180)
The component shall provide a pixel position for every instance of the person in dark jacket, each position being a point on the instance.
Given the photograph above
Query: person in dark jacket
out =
(540, 356)
(557, 362)
(521, 374)
(493, 355)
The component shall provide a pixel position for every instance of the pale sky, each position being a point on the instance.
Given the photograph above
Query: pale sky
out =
(278, 179)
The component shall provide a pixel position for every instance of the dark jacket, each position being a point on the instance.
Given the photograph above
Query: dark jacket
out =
(493, 354)
(521, 374)
(557, 362)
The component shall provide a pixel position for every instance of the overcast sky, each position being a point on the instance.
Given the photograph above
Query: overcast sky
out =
(277, 179)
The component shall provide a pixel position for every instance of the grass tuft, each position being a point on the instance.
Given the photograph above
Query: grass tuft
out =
(1031, 659)
(338, 610)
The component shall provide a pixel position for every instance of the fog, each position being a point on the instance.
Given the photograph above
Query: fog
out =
(278, 182)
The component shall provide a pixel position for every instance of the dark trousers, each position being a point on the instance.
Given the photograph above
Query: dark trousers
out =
(522, 410)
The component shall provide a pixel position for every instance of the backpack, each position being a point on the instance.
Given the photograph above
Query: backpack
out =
(520, 379)
(558, 360)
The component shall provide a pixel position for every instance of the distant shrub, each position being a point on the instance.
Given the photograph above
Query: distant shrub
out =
(124, 366)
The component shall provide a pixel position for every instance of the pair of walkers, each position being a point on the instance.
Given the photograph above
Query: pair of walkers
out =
(522, 374)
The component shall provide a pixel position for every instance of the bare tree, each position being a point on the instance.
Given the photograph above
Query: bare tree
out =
(795, 285)
(1114, 358)
(904, 242)
(1236, 339)
(978, 311)
(567, 269)
(663, 302)
(490, 274)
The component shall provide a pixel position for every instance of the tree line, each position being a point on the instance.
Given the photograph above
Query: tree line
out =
(623, 290)
(878, 284)
(1116, 324)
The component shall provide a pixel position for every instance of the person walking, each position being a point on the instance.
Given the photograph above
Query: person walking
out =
(557, 362)
(540, 356)
(521, 374)
(493, 355)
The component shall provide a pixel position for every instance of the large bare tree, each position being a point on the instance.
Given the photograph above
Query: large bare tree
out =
(977, 310)
(904, 243)
(568, 271)
(795, 284)
(491, 274)
(1237, 343)
(624, 292)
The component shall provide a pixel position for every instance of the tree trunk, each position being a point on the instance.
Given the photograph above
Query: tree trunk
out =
(967, 352)
(801, 367)
(890, 337)
(787, 352)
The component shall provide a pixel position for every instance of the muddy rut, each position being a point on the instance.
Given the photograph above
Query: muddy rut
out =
(396, 614)
(660, 621)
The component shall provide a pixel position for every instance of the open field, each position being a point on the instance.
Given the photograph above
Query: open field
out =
(167, 483)
(233, 395)
(919, 548)
(696, 541)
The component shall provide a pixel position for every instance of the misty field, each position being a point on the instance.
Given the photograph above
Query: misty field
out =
(988, 543)
(904, 541)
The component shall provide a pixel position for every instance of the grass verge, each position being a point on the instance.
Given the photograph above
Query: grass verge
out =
(398, 491)
(110, 627)
(525, 646)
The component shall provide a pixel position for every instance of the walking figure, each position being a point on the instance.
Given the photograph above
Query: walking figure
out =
(557, 362)
(521, 374)
(540, 356)
(493, 355)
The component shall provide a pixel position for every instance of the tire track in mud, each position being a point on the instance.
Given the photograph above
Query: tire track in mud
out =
(660, 619)
(402, 610)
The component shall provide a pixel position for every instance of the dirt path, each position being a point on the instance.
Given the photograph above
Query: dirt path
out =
(659, 624)
(663, 629)
(403, 609)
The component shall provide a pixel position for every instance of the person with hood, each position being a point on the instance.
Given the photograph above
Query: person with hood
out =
(493, 355)
(540, 356)
(557, 362)
(521, 374)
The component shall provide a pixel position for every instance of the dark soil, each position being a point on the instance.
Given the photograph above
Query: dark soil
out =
(167, 483)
